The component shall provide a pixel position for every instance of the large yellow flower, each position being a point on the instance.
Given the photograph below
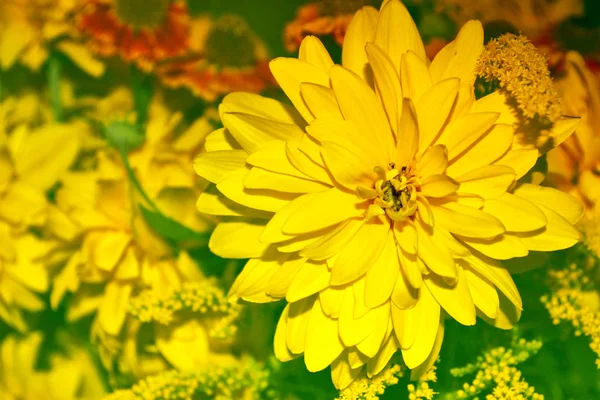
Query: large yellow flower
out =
(381, 201)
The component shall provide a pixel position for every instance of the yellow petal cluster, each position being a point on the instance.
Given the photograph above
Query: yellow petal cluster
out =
(574, 167)
(383, 200)
(72, 373)
(31, 29)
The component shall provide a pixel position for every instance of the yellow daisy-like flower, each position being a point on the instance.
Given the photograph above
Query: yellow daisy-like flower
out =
(381, 202)
(575, 165)
(30, 29)
(110, 251)
(71, 373)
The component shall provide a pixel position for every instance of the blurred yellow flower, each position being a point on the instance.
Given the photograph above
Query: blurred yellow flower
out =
(72, 374)
(575, 166)
(225, 55)
(31, 29)
(394, 209)
(110, 250)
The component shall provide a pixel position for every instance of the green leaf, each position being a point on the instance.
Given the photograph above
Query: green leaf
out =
(123, 136)
(170, 229)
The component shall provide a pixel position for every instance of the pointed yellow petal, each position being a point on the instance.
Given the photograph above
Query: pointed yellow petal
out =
(282, 352)
(503, 247)
(406, 323)
(320, 100)
(360, 253)
(387, 82)
(467, 221)
(377, 364)
(259, 178)
(372, 344)
(395, 41)
(508, 315)
(557, 235)
(272, 157)
(461, 133)
(331, 301)
(380, 279)
(237, 240)
(428, 324)
(412, 267)
(422, 370)
(290, 73)
(360, 104)
(414, 76)
(403, 296)
(298, 316)
(483, 293)
(406, 236)
(324, 209)
(216, 204)
(433, 162)
(515, 213)
(488, 182)
(456, 300)
(489, 148)
(323, 344)
(332, 243)
(438, 186)
(360, 31)
(562, 129)
(435, 255)
(253, 132)
(408, 133)
(312, 278)
(440, 97)
(82, 56)
(259, 106)
(113, 308)
(498, 275)
(354, 330)
(221, 139)
(306, 164)
(216, 165)
(520, 160)
(282, 279)
(564, 204)
(342, 374)
(459, 57)
(312, 51)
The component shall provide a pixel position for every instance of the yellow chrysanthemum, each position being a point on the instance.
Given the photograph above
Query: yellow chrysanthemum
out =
(382, 201)
(110, 251)
(31, 29)
(575, 166)
(72, 373)
(34, 155)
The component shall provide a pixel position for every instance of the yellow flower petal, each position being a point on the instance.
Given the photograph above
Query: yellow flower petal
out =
(515, 213)
(15, 38)
(331, 243)
(324, 209)
(435, 255)
(503, 247)
(372, 344)
(290, 73)
(221, 139)
(488, 182)
(498, 275)
(331, 300)
(281, 350)
(360, 32)
(320, 100)
(459, 57)
(461, 133)
(348, 164)
(483, 293)
(467, 221)
(438, 186)
(323, 344)
(440, 97)
(406, 236)
(360, 253)
(113, 308)
(433, 162)
(312, 51)
(216, 165)
(387, 82)
(564, 204)
(310, 279)
(415, 76)
(282, 278)
(264, 107)
(259, 178)
(408, 133)
(298, 317)
(237, 240)
(520, 160)
(354, 330)
(456, 299)
(382, 276)
(82, 56)
(342, 374)
(380, 361)
(394, 41)
(558, 234)
(428, 324)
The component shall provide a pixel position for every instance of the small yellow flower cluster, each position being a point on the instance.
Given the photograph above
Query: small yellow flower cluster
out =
(571, 300)
(591, 232)
(496, 372)
(247, 380)
(514, 64)
(370, 389)
(422, 391)
(203, 297)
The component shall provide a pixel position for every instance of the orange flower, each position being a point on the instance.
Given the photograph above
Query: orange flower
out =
(225, 56)
(323, 18)
(142, 31)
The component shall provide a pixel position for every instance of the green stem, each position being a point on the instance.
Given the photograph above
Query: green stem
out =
(54, 73)
(133, 179)
(142, 94)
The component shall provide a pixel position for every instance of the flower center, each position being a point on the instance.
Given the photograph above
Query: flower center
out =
(231, 43)
(142, 13)
(397, 191)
